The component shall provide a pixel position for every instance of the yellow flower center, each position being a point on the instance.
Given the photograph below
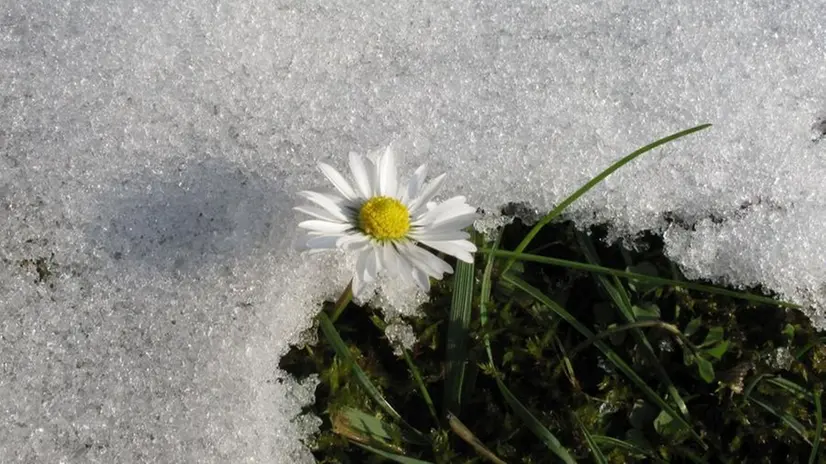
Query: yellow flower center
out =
(384, 218)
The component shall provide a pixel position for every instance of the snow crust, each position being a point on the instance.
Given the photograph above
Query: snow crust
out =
(150, 152)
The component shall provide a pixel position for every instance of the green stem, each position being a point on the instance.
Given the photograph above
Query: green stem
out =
(681, 338)
(342, 302)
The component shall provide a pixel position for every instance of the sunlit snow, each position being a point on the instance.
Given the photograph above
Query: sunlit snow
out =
(150, 152)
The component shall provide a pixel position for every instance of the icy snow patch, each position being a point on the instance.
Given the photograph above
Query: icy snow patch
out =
(150, 151)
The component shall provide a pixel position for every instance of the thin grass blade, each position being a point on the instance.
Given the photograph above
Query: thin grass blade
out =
(753, 382)
(486, 285)
(623, 302)
(417, 377)
(609, 354)
(593, 182)
(611, 442)
(401, 459)
(633, 275)
(599, 458)
(344, 354)
(791, 387)
(414, 372)
(818, 428)
(458, 330)
(342, 302)
(353, 423)
(484, 292)
(465, 434)
(788, 419)
(533, 424)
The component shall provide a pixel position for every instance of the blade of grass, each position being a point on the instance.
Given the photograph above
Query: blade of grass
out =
(690, 455)
(342, 302)
(414, 372)
(634, 275)
(599, 458)
(566, 364)
(344, 354)
(365, 428)
(791, 387)
(624, 445)
(458, 330)
(780, 382)
(484, 292)
(623, 302)
(392, 456)
(753, 382)
(818, 428)
(486, 284)
(593, 182)
(417, 377)
(788, 419)
(614, 329)
(531, 422)
(805, 348)
(465, 434)
(610, 354)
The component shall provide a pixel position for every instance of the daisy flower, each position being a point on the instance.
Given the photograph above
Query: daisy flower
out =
(385, 222)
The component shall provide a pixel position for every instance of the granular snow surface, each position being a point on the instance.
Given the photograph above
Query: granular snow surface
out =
(151, 151)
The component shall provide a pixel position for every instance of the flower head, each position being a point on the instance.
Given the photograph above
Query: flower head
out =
(385, 222)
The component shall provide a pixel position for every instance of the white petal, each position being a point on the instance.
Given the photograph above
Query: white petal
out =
(414, 184)
(358, 274)
(387, 174)
(408, 271)
(453, 207)
(356, 285)
(361, 266)
(338, 181)
(362, 274)
(361, 175)
(461, 249)
(440, 265)
(447, 223)
(366, 266)
(325, 226)
(439, 235)
(426, 261)
(390, 260)
(372, 168)
(328, 202)
(315, 211)
(428, 192)
(373, 263)
(324, 242)
(353, 241)
(405, 266)
(315, 251)
(421, 279)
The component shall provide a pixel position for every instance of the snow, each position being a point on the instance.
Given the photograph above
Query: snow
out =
(150, 153)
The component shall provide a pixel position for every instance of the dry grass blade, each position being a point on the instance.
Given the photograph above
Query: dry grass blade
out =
(465, 434)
